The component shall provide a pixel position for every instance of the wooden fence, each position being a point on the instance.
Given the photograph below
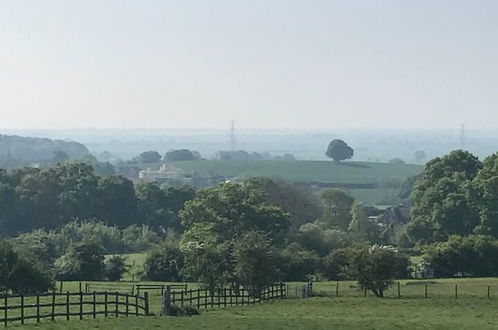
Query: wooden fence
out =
(159, 287)
(53, 305)
(110, 287)
(203, 298)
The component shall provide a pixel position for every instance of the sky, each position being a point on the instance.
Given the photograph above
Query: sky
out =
(265, 64)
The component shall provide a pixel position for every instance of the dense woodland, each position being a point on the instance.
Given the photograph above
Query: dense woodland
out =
(61, 221)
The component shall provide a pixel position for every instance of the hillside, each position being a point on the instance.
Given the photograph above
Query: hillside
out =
(18, 151)
(372, 183)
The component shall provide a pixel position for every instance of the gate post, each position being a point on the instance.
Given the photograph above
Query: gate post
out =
(167, 301)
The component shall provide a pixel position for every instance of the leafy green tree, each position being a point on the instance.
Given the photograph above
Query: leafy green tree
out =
(82, 261)
(233, 209)
(154, 209)
(255, 262)
(298, 203)
(116, 203)
(19, 275)
(483, 196)
(164, 263)
(337, 205)
(296, 263)
(179, 155)
(441, 206)
(361, 227)
(114, 268)
(338, 150)
(375, 268)
(475, 255)
(148, 157)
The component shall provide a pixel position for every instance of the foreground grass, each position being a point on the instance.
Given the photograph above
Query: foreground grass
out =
(317, 313)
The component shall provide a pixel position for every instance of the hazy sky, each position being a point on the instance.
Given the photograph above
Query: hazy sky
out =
(265, 64)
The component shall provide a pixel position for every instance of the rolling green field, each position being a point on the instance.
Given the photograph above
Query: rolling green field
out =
(317, 313)
(311, 171)
(472, 309)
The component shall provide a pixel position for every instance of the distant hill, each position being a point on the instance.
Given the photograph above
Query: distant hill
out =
(371, 183)
(18, 151)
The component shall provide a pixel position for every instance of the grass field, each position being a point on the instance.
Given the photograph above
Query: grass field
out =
(441, 310)
(318, 313)
(311, 171)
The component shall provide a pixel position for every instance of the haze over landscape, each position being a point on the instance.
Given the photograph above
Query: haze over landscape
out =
(234, 164)
(265, 64)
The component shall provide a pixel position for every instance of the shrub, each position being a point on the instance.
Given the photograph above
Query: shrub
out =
(114, 268)
(163, 263)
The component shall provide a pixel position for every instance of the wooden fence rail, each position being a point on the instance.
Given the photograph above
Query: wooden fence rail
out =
(203, 298)
(110, 287)
(66, 305)
(160, 287)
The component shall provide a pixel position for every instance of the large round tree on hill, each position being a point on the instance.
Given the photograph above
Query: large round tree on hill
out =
(339, 150)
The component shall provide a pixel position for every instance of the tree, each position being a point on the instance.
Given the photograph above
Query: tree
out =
(296, 263)
(375, 268)
(114, 268)
(116, 203)
(19, 275)
(475, 255)
(300, 204)
(419, 156)
(255, 262)
(232, 209)
(361, 227)
(483, 196)
(154, 208)
(82, 261)
(441, 206)
(179, 155)
(337, 208)
(164, 263)
(338, 150)
(148, 157)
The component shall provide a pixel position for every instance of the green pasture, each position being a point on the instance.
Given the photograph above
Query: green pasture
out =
(316, 313)
(312, 171)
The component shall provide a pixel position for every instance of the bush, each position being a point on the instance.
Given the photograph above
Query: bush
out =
(297, 263)
(82, 261)
(163, 263)
(183, 311)
(114, 268)
(475, 255)
(20, 275)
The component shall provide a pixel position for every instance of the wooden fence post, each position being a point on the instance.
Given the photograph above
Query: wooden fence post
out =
(60, 287)
(456, 291)
(105, 304)
(399, 290)
(146, 304)
(117, 304)
(199, 298)
(425, 291)
(94, 305)
(337, 289)
(53, 306)
(37, 307)
(22, 309)
(6, 306)
(81, 305)
(167, 301)
(80, 287)
(127, 306)
(365, 293)
(488, 291)
(136, 305)
(67, 306)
